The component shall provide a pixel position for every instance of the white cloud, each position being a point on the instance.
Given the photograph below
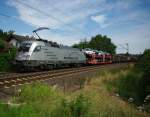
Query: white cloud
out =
(138, 39)
(100, 19)
(76, 16)
(55, 14)
(66, 39)
(64, 15)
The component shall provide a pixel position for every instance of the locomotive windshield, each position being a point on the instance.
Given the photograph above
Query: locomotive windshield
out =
(25, 47)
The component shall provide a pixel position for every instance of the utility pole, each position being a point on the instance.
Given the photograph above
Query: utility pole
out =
(127, 48)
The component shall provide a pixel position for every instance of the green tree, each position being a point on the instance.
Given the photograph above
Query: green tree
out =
(102, 43)
(98, 42)
(7, 53)
(5, 35)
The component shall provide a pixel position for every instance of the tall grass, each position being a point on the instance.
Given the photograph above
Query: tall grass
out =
(94, 100)
(128, 84)
(40, 100)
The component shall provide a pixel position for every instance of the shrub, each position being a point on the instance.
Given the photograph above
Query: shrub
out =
(6, 58)
(79, 106)
(35, 92)
(21, 111)
(143, 66)
(136, 83)
(144, 63)
(130, 85)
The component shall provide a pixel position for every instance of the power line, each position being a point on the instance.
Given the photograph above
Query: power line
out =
(8, 16)
(47, 14)
(124, 46)
(4, 15)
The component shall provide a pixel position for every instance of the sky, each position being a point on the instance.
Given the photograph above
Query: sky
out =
(71, 21)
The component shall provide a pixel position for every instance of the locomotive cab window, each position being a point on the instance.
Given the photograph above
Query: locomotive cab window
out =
(37, 49)
(24, 47)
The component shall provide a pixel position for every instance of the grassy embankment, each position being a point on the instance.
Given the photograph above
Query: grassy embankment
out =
(96, 99)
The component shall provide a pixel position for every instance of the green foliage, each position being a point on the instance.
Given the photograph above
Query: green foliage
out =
(136, 83)
(5, 35)
(103, 43)
(6, 58)
(79, 106)
(130, 86)
(143, 66)
(36, 92)
(144, 63)
(40, 100)
(6, 55)
(98, 42)
(21, 111)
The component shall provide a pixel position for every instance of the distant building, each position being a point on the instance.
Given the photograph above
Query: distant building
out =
(16, 40)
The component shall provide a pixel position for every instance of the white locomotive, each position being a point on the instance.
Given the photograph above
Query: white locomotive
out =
(45, 55)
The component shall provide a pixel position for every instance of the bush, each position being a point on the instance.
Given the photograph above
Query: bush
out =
(22, 111)
(46, 101)
(6, 58)
(77, 107)
(35, 92)
(143, 66)
(136, 83)
(130, 86)
(144, 63)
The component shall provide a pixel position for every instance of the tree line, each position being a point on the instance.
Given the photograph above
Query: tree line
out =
(98, 42)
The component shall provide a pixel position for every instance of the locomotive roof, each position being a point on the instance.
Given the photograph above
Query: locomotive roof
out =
(20, 38)
(51, 44)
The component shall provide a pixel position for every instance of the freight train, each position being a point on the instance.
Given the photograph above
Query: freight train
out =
(40, 54)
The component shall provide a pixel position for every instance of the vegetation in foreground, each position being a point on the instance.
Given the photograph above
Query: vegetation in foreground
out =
(134, 83)
(94, 100)
(7, 52)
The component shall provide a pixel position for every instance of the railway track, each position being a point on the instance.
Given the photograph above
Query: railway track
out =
(13, 80)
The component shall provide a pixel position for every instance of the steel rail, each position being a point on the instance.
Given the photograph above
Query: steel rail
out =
(42, 76)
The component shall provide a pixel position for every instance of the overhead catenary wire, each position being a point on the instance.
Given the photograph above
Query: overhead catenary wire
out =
(4, 15)
(9, 16)
(124, 46)
(51, 16)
